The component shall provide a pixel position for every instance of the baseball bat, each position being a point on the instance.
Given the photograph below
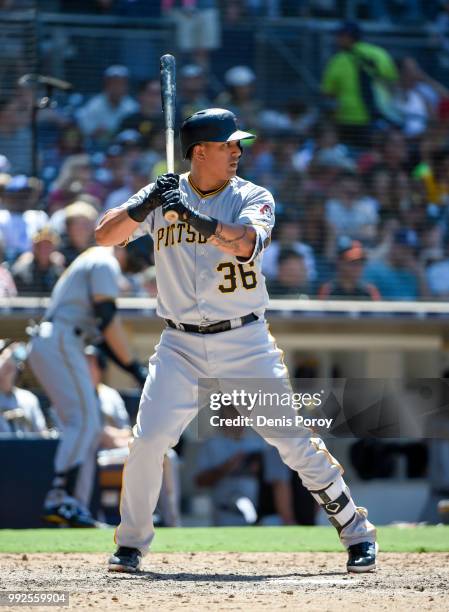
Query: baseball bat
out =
(168, 95)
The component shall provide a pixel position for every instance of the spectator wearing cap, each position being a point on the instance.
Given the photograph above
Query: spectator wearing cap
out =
(400, 276)
(198, 30)
(350, 212)
(19, 218)
(358, 79)
(239, 95)
(80, 221)
(131, 143)
(147, 119)
(192, 91)
(37, 271)
(101, 116)
(291, 280)
(348, 283)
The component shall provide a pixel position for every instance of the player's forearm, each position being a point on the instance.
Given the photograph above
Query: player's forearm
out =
(115, 337)
(114, 227)
(234, 238)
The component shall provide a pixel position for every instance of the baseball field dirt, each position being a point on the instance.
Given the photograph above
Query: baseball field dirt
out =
(235, 581)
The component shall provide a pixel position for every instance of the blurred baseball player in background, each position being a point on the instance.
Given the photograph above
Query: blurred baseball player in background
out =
(212, 296)
(114, 442)
(82, 309)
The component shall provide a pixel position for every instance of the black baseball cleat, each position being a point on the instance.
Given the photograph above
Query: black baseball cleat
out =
(362, 557)
(125, 559)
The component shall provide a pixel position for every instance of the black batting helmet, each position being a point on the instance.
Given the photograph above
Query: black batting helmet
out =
(210, 125)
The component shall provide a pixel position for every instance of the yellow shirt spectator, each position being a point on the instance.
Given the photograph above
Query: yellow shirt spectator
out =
(342, 81)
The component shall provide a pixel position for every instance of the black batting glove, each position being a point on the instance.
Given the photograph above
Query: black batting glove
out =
(139, 211)
(173, 200)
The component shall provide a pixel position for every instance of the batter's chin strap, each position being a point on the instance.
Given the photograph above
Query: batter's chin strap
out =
(138, 371)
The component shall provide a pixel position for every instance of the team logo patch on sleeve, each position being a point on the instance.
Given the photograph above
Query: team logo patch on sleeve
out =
(266, 211)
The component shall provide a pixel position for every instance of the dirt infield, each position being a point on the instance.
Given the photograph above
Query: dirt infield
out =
(235, 581)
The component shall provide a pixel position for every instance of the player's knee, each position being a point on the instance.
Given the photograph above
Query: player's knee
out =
(154, 440)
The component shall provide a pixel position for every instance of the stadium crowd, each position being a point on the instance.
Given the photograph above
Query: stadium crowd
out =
(360, 179)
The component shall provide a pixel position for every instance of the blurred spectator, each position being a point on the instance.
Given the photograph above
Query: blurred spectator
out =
(412, 109)
(432, 239)
(434, 176)
(76, 177)
(20, 411)
(438, 279)
(80, 221)
(131, 143)
(15, 134)
(19, 219)
(440, 31)
(7, 285)
(147, 119)
(113, 171)
(101, 116)
(432, 91)
(350, 212)
(230, 463)
(323, 148)
(271, 161)
(348, 279)
(192, 91)
(288, 235)
(139, 175)
(239, 95)
(36, 272)
(400, 276)
(292, 279)
(197, 27)
(358, 79)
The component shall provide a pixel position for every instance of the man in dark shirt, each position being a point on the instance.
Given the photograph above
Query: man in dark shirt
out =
(148, 119)
(347, 282)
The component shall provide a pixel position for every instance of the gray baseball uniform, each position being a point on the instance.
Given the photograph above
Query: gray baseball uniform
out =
(57, 352)
(199, 284)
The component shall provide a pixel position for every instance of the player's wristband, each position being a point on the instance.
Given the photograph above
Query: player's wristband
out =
(204, 224)
(139, 211)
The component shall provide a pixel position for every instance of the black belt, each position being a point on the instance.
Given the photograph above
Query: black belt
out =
(213, 328)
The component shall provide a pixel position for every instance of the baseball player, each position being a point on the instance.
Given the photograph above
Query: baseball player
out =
(82, 309)
(212, 296)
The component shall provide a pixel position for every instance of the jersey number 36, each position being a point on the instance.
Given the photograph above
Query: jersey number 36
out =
(229, 269)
